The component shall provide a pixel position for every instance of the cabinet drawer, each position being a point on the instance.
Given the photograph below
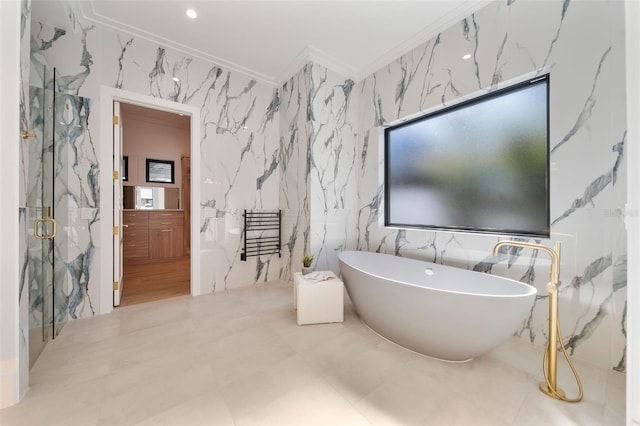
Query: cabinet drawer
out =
(135, 243)
(135, 236)
(135, 252)
(164, 220)
(135, 219)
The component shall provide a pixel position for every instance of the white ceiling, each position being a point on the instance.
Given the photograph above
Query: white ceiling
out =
(271, 40)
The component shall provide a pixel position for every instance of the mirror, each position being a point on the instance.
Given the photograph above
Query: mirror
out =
(151, 198)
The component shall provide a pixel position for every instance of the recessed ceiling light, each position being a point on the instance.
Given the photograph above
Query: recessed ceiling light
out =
(176, 79)
(191, 13)
(467, 56)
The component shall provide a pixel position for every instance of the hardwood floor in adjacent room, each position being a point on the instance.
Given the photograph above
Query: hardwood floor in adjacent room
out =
(155, 281)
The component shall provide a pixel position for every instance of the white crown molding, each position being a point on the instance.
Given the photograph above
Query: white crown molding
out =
(90, 15)
(320, 57)
(300, 60)
(442, 24)
(86, 10)
(313, 54)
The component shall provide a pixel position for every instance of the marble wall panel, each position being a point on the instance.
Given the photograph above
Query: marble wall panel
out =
(319, 182)
(239, 149)
(70, 160)
(333, 183)
(580, 44)
(313, 149)
(295, 171)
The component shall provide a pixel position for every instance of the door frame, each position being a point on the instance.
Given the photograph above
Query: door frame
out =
(107, 96)
(117, 190)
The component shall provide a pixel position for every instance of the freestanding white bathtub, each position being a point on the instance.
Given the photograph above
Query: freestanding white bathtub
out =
(440, 311)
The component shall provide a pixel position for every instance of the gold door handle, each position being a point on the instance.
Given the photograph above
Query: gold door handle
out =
(27, 135)
(36, 226)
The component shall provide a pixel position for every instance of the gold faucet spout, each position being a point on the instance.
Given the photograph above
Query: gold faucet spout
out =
(549, 363)
(554, 253)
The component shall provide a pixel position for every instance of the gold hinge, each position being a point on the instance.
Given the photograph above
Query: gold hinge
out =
(115, 230)
(116, 285)
(115, 175)
(115, 120)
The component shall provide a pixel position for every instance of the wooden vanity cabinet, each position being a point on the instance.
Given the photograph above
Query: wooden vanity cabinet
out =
(135, 236)
(166, 236)
(152, 235)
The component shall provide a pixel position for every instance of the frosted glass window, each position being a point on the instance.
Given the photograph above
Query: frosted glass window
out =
(480, 166)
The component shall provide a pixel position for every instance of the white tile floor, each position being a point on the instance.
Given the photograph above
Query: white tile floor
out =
(238, 358)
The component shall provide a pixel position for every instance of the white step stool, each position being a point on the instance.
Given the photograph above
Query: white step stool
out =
(318, 302)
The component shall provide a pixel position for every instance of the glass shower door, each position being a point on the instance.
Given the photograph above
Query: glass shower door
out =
(39, 180)
(60, 172)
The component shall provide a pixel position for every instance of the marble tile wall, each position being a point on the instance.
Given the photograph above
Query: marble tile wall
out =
(71, 162)
(294, 171)
(239, 150)
(312, 148)
(581, 45)
(333, 165)
(319, 184)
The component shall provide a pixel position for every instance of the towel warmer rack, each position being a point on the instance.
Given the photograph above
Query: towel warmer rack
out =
(262, 233)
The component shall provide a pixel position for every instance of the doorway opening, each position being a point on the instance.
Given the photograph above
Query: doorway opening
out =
(111, 221)
(155, 175)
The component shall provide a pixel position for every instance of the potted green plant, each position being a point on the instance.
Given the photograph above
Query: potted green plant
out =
(307, 260)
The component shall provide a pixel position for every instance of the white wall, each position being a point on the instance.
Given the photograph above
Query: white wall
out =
(144, 138)
(12, 353)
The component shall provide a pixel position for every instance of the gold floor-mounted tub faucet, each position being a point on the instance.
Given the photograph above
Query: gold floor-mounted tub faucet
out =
(549, 361)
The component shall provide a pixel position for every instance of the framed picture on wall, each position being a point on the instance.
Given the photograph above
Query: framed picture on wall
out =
(160, 171)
